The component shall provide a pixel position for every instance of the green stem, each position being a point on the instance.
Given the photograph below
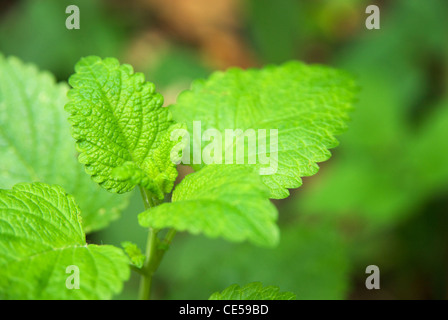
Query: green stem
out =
(146, 279)
(149, 200)
(168, 238)
(155, 249)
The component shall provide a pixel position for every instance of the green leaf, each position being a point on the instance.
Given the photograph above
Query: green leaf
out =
(36, 145)
(40, 237)
(134, 253)
(308, 105)
(118, 121)
(221, 200)
(252, 291)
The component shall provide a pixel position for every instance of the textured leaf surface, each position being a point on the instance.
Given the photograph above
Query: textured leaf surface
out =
(40, 236)
(252, 291)
(308, 105)
(221, 200)
(36, 145)
(119, 123)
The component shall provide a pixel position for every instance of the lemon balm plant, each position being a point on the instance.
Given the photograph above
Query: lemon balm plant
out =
(124, 140)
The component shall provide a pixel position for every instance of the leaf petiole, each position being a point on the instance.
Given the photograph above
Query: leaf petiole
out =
(155, 249)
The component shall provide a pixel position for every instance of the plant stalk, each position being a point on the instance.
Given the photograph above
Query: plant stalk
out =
(155, 249)
(146, 279)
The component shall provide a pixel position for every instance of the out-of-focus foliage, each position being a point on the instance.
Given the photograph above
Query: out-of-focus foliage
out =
(394, 156)
(177, 66)
(388, 183)
(35, 32)
(310, 261)
(280, 30)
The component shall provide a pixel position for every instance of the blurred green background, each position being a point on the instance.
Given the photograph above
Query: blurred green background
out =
(382, 199)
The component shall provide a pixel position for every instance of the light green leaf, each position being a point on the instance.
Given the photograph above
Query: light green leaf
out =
(221, 200)
(118, 120)
(36, 145)
(134, 253)
(41, 237)
(308, 105)
(252, 291)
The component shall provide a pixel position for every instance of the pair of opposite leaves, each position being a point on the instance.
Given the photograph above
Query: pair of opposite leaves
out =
(118, 122)
(123, 136)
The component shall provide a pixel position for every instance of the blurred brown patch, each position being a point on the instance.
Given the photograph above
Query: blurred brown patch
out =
(214, 29)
